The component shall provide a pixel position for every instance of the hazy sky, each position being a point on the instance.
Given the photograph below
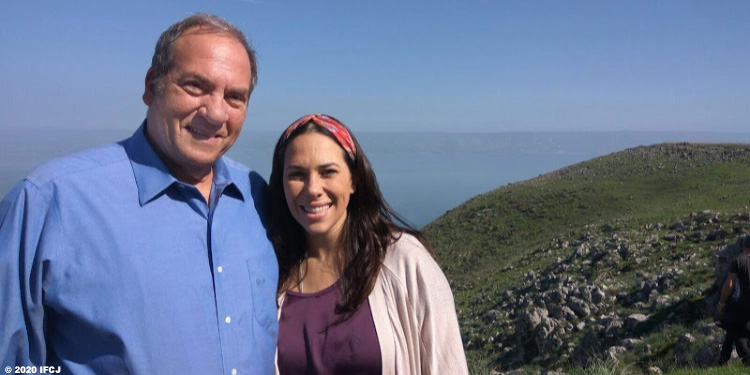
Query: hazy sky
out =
(400, 65)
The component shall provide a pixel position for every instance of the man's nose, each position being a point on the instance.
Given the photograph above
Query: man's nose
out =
(215, 110)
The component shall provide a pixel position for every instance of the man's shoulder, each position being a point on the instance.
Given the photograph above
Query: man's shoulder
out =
(243, 174)
(235, 166)
(78, 163)
(237, 170)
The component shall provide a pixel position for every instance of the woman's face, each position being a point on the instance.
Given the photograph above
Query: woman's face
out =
(317, 185)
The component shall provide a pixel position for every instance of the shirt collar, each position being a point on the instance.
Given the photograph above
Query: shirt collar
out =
(223, 182)
(151, 175)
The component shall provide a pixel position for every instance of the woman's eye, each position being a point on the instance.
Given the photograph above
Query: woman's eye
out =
(294, 176)
(328, 172)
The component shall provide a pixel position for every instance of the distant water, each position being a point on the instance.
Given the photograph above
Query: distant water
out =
(422, 175)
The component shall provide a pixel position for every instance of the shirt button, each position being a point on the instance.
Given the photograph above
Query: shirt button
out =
(228, 320)
(234, 371)
(220, 269)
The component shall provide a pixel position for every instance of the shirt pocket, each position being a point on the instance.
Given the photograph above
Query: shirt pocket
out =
(263, 279)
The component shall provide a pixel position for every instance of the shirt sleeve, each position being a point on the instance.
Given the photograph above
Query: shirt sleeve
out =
(441, 347)
(22, 219)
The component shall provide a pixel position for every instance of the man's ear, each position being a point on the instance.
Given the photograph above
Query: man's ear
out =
(149, 91)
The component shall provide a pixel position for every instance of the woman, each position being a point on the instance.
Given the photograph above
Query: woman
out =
(358, 294)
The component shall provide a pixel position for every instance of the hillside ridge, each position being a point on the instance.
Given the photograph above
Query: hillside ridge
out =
(615, 255)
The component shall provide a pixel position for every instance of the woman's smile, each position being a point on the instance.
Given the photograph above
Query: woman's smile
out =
(317, 185)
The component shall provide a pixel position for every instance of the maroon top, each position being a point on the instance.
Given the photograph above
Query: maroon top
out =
(309, 344)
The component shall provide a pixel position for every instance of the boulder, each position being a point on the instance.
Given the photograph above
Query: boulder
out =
(579, 307)
(679, 227)
(544, 338)
(717, 234)
(708, 354)
(634, 320)
(630, 342)
(684, 350)
(613, 329)
(568, 314)
(588, 346)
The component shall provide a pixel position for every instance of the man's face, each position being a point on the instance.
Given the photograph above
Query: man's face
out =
(197, 113)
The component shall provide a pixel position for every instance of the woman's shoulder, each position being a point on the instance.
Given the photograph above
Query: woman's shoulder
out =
(406, 247)
(408, 255)
(410, 271)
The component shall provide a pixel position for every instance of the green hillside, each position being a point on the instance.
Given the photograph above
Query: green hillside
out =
(607, 226)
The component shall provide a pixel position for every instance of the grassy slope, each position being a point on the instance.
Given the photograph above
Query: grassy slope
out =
(645, 184)
(496, 231)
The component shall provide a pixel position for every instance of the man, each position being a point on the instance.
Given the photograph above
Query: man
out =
(739, 272)
(149, 256)
(725, 319)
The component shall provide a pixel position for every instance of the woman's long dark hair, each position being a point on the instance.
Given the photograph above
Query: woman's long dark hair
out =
(371, 226)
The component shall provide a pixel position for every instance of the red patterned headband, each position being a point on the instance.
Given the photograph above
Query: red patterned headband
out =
(332, 125)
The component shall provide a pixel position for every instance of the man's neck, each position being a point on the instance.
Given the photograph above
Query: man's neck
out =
(201, 178)
(204, 187)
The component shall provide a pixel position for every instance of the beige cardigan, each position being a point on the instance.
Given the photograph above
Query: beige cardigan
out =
(414, 313)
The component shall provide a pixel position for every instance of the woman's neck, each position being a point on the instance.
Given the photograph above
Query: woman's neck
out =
(323, 247)
(321, 267)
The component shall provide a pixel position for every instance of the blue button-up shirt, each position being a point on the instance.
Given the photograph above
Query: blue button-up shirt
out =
(109, 265)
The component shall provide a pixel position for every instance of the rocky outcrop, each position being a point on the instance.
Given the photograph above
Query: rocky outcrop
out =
(609, 292)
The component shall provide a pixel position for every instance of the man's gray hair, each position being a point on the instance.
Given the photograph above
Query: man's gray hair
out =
(163, 58)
